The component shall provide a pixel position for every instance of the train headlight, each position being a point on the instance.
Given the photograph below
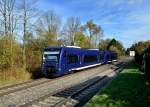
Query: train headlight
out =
(43, 59)
(59, 69)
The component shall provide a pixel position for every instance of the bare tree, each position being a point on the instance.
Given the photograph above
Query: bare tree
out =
(3, 12)
(71, 27)
(97, 36)
(11, 25)
(49, 26)
(27, 12)
(11, 16)
(7, 20)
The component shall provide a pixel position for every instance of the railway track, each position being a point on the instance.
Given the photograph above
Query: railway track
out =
(74, 96)
(26, 94)
(17, 87)
(68, 97)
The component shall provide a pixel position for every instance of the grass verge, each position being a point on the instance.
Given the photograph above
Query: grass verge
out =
(128, 89)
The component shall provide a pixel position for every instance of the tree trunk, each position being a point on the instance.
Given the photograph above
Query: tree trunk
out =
(5, 18)
(24, 36)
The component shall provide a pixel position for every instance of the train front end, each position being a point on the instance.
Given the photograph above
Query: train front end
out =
(50, 61)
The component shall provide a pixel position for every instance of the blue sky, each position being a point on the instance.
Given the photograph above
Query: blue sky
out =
(126, 20)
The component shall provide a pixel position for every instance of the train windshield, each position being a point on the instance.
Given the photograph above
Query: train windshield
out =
(51, 56)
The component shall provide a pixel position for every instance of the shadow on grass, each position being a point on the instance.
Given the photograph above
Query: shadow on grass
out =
(132, 65)
(129, 89)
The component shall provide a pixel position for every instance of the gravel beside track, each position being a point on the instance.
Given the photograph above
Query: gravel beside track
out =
(17, 87)
(30, 94)
(76, 95)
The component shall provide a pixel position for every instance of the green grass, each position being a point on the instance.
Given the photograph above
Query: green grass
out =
(128, 89)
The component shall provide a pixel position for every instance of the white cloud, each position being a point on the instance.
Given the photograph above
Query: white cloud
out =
(142, 17)
(135, 1)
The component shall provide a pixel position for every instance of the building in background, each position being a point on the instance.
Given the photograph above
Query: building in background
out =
(132, 53)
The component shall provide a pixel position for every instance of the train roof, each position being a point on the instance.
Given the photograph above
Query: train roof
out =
(94, 49)
(71, 47)
(53, 47)
(75, 47)
(62, 47)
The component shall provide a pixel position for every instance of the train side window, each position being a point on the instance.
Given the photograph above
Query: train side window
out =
(72, 58)
(107, 56)
(90, 58)
(112, 56)
(102, 56)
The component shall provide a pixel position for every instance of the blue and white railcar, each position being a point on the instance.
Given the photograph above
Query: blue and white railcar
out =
(58, 61)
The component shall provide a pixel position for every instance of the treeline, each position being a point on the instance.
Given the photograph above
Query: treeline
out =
(142, 56)
(146, 62)
(113, 45)
(25, 31)
(139, 49)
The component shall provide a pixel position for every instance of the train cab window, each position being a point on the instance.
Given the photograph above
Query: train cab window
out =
(72, 58)
(51, 56)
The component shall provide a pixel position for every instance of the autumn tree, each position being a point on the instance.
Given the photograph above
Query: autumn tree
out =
(34, 54)
(81, 40)
(103, 45)
(8, 22)
(116, 46)
(93, 31)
